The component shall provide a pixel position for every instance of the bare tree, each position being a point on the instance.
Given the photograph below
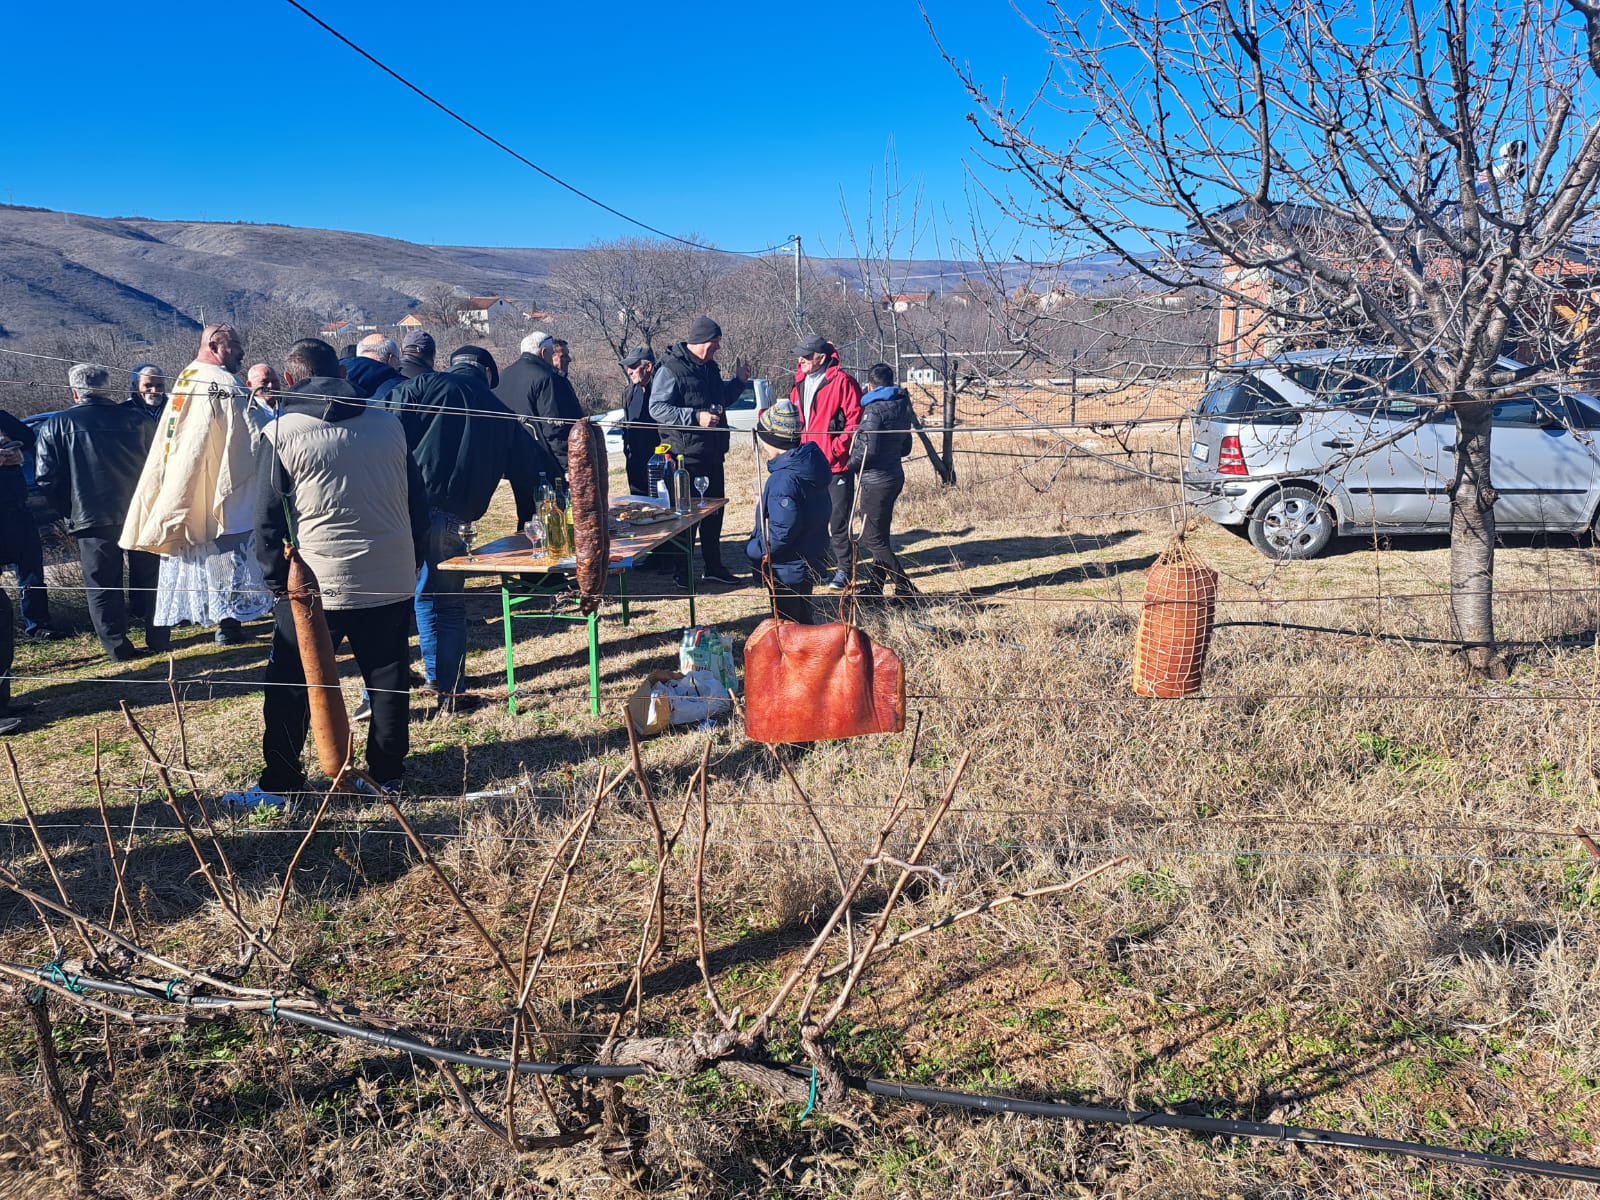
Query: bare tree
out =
(635, 291)
(1406, 175)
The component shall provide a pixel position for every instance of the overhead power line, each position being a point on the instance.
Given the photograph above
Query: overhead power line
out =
(524, 160)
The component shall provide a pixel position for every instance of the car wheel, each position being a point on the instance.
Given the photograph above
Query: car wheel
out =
(1291, 522)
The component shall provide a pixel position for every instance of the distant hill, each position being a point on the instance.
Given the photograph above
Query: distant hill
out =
(151, 279)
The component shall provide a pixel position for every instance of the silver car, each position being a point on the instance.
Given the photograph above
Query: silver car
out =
(1296, 449)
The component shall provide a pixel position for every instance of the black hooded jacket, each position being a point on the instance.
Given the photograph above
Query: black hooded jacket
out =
(460, 436)
(531, 387)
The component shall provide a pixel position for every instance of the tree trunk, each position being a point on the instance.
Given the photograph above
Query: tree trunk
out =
(1472, 498)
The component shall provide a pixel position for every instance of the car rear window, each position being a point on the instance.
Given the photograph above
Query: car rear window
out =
(1243, 396)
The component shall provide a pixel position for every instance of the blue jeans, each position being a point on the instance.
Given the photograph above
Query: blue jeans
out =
(441, 606)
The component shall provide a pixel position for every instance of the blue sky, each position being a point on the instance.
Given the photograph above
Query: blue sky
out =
(742, 125)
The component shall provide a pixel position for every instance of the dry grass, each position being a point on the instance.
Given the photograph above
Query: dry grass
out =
(1352, 901)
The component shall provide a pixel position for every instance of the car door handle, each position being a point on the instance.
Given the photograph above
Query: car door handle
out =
(1448, 447)
(1339, 444)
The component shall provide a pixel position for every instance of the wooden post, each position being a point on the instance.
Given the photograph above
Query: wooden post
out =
(949, 440)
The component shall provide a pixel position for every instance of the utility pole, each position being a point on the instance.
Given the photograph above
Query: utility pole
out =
(799, 298)
(949, 411)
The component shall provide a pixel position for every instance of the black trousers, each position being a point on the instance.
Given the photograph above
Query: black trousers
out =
(637, 447)
(711, 527)
(794, 603)
(378, 638)
(103, 564)
(842, 491)
(878, 494)
(8, 650)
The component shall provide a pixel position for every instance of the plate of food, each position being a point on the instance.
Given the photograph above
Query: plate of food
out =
(642, 514)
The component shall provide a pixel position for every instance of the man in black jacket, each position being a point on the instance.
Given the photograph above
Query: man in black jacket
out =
(88, 463)
(457, 431)
(532, 388)
(416, 353)
(687, 398)
(639, 434)
(19, 532)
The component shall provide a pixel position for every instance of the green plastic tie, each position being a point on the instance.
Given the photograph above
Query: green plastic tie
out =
(811, 1103)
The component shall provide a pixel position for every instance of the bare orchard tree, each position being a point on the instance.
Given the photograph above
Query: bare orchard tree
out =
(1406, 174)
(635, 291)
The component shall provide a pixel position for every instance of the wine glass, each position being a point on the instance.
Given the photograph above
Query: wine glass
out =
(701, 483)
(467, 531)
(535, 533)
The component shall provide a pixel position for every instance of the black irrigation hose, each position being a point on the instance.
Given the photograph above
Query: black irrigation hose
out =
(1089, 1114)
(1382, 637)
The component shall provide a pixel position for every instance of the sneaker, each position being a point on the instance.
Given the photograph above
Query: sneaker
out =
(41, 633)
(839, 583)
(231, 633)
(362, 786)
(720, 575)
(363, 710)
(9, 725)
(255, 796)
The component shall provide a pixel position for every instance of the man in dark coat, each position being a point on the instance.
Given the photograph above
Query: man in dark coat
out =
(416, 353)
(532, 388)
(88, 463)
(19, 532)
(457, 431)
(687, 398)
(640, 437)
(375, 369)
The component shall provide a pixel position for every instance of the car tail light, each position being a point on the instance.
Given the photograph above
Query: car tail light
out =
(1230, 458)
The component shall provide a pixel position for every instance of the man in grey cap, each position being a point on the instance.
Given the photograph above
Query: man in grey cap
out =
(640, 437)
(416, 353)
(688, 396)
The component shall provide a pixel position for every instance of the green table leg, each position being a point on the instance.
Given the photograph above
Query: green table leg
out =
(511, 666)
(594, 663)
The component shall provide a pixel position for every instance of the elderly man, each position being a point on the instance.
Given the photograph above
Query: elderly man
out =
(335, 477)
(561, 360)
(640, 437)
(416, 353)
(89, 459)
(535, 390)
(147, 390)
(375, 369)
(195, 503)
(687, 398)
(829, 400)
(456, 431)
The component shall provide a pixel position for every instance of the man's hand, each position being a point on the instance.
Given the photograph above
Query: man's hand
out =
(741, 369)
(705, 418)
(10, 456)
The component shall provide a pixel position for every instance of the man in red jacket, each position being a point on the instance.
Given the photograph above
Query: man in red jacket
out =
(829, 400)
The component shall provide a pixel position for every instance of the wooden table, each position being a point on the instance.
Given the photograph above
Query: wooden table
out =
(526, 578)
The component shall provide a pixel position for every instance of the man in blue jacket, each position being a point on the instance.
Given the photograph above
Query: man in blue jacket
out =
(791, 531)
(461, 437)
(374, 372)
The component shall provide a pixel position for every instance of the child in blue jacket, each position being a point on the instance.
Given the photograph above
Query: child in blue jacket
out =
(791, 531)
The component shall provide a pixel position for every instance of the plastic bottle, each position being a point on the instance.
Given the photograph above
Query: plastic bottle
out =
(657, 469)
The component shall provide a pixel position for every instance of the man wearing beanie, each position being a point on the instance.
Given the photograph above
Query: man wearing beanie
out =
(791, 532)
(829, 400)
(640, 437)
(687, 398)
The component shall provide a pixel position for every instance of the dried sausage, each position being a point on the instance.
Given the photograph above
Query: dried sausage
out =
(330, 723)
(586, 472)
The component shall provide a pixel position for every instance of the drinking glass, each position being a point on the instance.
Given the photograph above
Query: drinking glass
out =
(701, 483)
(467, 531)
(534, 531)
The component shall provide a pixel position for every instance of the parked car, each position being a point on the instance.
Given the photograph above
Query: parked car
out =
(1297, 449)
(610, 426)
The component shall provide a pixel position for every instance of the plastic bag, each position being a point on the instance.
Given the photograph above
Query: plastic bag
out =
(668, 698)
(704, 649)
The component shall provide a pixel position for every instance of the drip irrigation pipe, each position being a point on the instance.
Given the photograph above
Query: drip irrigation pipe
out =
(976, 1102)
